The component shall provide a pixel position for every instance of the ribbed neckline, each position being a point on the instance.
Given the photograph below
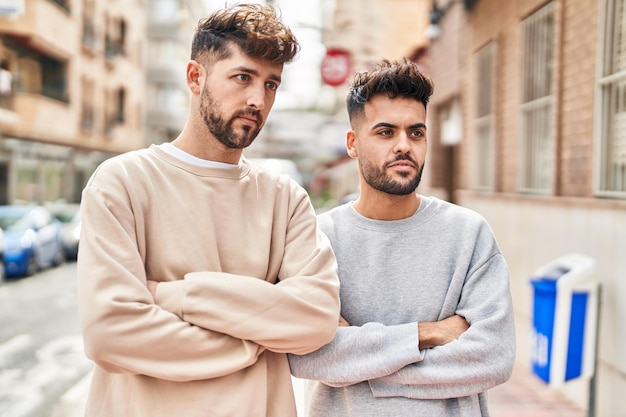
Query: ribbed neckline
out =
(226, 173)
(428, 208)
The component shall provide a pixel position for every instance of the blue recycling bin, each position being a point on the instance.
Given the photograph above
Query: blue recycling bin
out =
(564, 319)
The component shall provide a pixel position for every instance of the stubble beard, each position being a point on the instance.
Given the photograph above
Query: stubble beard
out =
(223, 129)
(378, 179)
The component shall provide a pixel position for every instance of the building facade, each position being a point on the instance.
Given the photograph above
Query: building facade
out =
(525, 127)
(170, 25)
(528, 131)
(83, 80)
(76, 97)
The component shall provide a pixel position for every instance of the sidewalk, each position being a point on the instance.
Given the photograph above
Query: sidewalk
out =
(525, 395)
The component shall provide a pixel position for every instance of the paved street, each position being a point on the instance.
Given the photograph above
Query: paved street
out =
(41, 355)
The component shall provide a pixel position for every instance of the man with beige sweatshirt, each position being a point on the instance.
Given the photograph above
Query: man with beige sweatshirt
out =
(198, 271)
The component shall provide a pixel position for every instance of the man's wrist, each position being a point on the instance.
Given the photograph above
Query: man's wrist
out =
(426, 335)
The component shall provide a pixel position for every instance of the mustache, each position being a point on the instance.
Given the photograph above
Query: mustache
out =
(403, 157)
(256, 114)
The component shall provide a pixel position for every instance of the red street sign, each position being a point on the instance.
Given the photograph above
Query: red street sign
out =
(335, 67)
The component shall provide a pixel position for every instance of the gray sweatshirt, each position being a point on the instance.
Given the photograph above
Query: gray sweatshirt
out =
(443, 260)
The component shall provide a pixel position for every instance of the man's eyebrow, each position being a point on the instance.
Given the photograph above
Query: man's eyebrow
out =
(251, 71)
(390, 125)
(383, 124)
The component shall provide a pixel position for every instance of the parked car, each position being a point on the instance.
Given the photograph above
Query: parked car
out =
(1, 255)
(31, 239)
(69, 215)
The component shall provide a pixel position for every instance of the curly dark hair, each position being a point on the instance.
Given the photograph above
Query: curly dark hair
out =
(256, 28)
(391, 78)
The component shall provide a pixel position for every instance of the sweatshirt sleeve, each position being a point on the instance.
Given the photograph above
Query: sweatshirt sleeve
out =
(123, 330)
(298, 314)
(360, 353)
(480, 359)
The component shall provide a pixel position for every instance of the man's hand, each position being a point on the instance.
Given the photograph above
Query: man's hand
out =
(439, 333)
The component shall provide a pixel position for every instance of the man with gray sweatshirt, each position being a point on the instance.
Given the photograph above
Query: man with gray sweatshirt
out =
(426, 322)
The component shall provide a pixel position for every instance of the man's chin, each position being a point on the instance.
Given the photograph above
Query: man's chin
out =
(239, 143)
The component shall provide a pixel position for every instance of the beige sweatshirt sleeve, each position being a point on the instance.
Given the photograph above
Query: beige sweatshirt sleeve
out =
(123, 330)
(298, 314)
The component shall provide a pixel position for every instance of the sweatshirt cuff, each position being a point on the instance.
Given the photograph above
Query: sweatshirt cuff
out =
(170, 296)
(407, 337)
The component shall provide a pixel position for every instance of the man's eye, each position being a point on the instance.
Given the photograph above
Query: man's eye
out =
(243, 77)
(272, 86)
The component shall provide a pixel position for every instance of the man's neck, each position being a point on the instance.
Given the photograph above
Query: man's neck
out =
(207, 147)
(378, 205)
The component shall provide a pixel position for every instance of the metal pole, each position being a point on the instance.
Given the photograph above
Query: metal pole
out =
(593, 382)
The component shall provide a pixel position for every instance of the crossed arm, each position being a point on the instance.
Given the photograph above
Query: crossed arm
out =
(433, 334)
(126, 331)
(468, 352)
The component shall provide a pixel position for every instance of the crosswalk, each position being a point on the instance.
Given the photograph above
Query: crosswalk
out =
(72, 403)
(35, 376)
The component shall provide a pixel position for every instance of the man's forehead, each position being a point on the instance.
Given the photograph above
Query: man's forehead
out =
(238, 60)
(392, 110)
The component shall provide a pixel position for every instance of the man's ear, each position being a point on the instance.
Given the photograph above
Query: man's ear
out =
(195, 76)
(351, 144)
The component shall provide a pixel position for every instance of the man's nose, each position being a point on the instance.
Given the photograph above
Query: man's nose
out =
(403, 144)
(256, 97)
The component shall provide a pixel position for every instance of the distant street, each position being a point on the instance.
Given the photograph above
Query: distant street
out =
(41, 352)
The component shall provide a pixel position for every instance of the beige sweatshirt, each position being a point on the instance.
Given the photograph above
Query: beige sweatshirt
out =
(237, 252)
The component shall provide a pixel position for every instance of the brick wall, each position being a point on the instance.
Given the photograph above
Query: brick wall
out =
(576, 96)
(576, 35)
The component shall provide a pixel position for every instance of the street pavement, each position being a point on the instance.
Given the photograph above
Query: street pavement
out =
(524, 395)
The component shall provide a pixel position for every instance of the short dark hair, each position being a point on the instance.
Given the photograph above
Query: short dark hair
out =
(391, 78)
(255, 28)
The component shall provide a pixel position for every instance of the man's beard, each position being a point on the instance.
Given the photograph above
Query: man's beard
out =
(222, 129)
(378, 179)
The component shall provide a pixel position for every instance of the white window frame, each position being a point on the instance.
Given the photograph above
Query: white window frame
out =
(484, 177)
(537, 142)
(610, 128)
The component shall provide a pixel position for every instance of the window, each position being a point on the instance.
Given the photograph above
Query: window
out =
(87, 108)
(65, 4)
(537, 142)
(484, 147)
(88, 22)
(115, 113)
(612, 89)
(120, 106)
(53, 79)
(115, 38)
